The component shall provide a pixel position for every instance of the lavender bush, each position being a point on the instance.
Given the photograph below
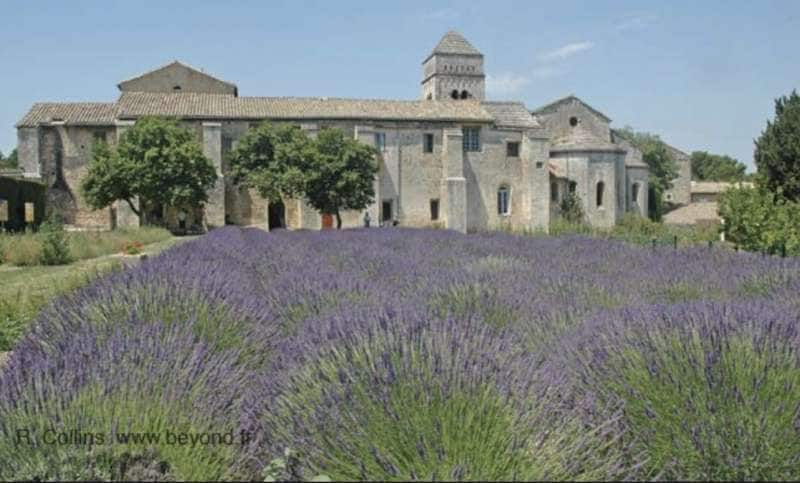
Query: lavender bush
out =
(417, 354)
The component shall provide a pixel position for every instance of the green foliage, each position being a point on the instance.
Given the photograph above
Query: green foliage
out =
(271, 159)
(777, 154)
(759, 220)
(157, 161)
(332, 171)
(663, 168)
(712, 414)
(341, 174)
(715, 167)
(571, 208)
(55, 249)
(287, 469)
(10, 161)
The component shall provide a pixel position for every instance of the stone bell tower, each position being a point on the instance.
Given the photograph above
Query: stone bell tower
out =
(454, 70)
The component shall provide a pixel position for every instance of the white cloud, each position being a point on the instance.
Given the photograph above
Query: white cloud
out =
(566, 51)
(505, 83)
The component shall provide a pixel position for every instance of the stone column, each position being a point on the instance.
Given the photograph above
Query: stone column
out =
(212, 148)
(28, 152)
(366, 135)
(535, 155)
(126, 218)
(454, 185)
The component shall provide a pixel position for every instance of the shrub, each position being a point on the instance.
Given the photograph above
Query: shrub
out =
(55, 250)
(22, 250)
(377, 397)
(758, 220)
(708, 391)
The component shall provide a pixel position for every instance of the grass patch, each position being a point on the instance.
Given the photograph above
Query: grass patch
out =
(25, 249)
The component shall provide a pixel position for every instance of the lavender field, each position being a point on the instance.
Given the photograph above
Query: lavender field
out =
(397, 354)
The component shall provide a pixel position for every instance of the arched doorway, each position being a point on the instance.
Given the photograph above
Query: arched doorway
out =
(276, 216)
(327, 221)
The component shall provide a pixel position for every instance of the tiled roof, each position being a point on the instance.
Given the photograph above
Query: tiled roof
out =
(713, 187)
(454, 43)
(693, 213)
(511, 114)
(552, 105)
(73, 113)
(221, 106)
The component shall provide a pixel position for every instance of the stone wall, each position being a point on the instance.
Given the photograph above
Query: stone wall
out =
(175, 75)
(444, 73)
(590, 127)
(680, 193)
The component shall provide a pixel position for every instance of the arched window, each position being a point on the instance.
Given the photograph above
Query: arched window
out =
(601, 187)
(554, 191)
(503, 198)
(464, 94)
(454, 94)
(430, 97)
(635, 193)
(176, 88)
(573, 121)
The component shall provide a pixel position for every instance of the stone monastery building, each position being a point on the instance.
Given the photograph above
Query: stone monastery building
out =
(450, 159)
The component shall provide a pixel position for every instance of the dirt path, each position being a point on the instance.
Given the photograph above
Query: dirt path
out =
(3, 357)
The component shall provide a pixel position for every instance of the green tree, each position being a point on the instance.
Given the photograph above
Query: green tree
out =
(157, 161)
(9, 161)
(759, 220)
(333, 172)
(271, 159)
(714, 167)
(341, 174)
(777, 153)
(663, 168)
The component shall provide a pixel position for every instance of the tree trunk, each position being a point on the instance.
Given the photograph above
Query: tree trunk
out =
(338, 221)
(137, 212)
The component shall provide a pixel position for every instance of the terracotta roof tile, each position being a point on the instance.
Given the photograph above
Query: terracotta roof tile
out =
(221, 106)
(72, 113)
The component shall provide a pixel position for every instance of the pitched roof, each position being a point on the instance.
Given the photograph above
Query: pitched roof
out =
(132, 105)
(713, 187)
(171, 64)
(553, 105)
(454, 43)
(511, 114)
(693, 213)
(73, 113)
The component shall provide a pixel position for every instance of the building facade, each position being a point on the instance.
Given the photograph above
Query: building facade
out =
(451, 159)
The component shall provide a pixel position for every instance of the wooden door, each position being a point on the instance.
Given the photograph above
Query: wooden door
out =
(327, 221)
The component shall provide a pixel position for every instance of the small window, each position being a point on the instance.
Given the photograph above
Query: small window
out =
(386, 210)
(635, 193)
(427, 143)
(502, 201)
(512, 150)
(573, 121)
(380, 141)
(573, 186)
(3, 210)
(601, 187)
(30, 212)
(464, 94)
(430, 97)
(472, 138)
(454, 94)
(176, 88)
(434, 209)
(554, 191)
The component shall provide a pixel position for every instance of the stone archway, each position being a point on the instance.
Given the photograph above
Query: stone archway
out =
(276, 216)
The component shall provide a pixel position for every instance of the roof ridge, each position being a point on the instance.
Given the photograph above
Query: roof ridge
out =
(566, 98)
(174, 62)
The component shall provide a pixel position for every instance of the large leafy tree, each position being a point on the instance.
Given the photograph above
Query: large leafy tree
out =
(341, 174)
(271, 159)
(714, 167)
(777, 153)
(9, 161)
(663, 168)
(157, 161)
(333, 172)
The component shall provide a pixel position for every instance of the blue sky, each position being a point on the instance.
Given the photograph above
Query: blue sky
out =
(703, 75)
